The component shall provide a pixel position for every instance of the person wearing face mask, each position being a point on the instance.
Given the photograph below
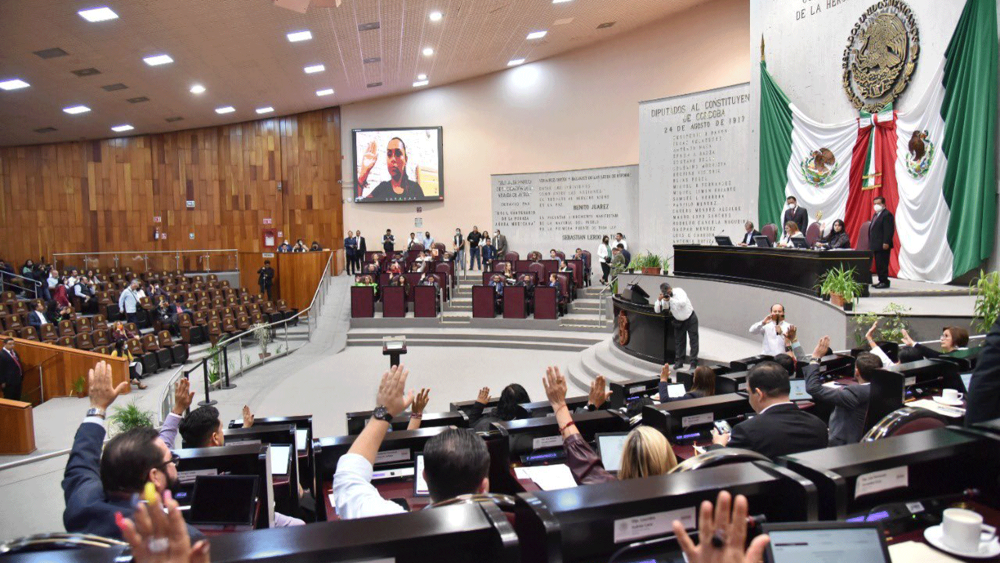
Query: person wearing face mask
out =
(795, 213)
(836, 239)
(881, 231)
(780, 427)
(458, 248)
(500, 243)
(772, 329)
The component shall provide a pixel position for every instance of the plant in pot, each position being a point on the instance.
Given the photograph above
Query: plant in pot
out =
(892, 323)
(840, 285)
(214, 363)
(130, 416)
(80, 387)
(262, 333)
(651, 264)
(987, 307)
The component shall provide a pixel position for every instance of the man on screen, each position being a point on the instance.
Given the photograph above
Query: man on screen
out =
(399, 186)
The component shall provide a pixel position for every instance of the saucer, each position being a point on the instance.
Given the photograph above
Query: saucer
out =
(943, 401)
(986, 550)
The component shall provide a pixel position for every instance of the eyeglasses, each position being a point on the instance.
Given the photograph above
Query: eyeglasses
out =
(174, 458)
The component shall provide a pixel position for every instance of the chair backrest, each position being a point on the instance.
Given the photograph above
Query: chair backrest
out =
(538, 268)
(514, 302)
(813, 233)
(393, 301)
(862, 238)
(29, 333)
(66, 328)
(424, 301)
(164, 340)
(482, 302)
(770, 231)
(134, 347)
(512, 256)
(83, 341)
(906, 420)
(100, 337)
(545, 302)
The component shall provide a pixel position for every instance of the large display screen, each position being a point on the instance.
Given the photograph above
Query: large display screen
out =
(401, 164)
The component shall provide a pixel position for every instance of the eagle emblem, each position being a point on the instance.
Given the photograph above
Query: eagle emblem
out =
(881, 55)
(819, 167)
(623, 333)
(921, 154)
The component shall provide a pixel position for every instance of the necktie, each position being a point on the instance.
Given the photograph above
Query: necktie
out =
(16, 361)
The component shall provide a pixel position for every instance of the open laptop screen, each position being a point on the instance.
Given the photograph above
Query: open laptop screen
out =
(798, 390)
(609, 446)
(823, 542)
(224, 500)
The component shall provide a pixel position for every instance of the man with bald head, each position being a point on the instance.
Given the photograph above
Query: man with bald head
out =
(399, 185)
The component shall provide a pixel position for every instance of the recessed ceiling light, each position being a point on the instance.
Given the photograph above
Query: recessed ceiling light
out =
(421, 77)
(157, 60)
(563, 21)
(197, 89)
(13, 84)
(98, 14)
(122, 128)
(114, 87)
(325, 92)
(515, 62)
(73, 110)
(560, 1)
(226, 109)
(268, 109)
(420, 83)
(537, 34)
(436, 16)
(428, 51)
(314, 69)
(297, 36)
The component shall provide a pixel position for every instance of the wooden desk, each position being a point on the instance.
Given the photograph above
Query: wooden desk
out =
(17, 428)
(296, 274)
(50, 370)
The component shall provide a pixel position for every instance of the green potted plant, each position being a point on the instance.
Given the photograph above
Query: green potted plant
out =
(987, 307)
(130, 416)
(80, 387)
(892, 323)
(214, 363)
(652, 264)
(262, 333)
(840, 285)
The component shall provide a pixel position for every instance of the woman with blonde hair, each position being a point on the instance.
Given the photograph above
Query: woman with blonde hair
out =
(645, 452)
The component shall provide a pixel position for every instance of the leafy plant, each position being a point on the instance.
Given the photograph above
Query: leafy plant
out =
(987, 308)
(647, 260)
(892, 323)
(79, 386)
(262, 333)
(214, 363)
(277, 351)
(130, 416)
(840, 282)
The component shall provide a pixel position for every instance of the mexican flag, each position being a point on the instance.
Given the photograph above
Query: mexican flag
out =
(934, 163)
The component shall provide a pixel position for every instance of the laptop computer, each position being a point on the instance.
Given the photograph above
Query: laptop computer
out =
(723, 240)
(762, 241)
(799, 242)
(821, 542)
(798, 390)
(609, 447)
(224, 500)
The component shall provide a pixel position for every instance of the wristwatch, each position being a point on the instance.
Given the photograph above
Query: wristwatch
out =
(382, 413)
(94, 411)
(591, 407)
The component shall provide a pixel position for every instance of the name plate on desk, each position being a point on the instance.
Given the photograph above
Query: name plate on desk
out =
(689, 421)
(659, 524)
(910, 381)
(546, 442)
(879, 481)
(390, 456)
(636, 389)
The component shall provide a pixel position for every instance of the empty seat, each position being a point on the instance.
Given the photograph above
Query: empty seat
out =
(100, 322)
(151, 345)
(214, 331)
(83, 324)
(12, 322)
(178, 350)
(29, 333)
(66, 328)
(48, 333)
(147, 359)
(100, 338)
(84, 342)
(66, 341)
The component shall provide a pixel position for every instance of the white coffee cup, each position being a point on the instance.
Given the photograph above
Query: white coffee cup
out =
(951, 395)
(963, 530)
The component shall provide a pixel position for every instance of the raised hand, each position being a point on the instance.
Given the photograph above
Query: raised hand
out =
(791, 334)
(248, 417)
(102, 394)
(907, 340)
(158, 537)
(183, 396)
(555, 387)
(484, 396)
(665, 372)
(420, 401)
(368, 161)
(729, 527)
(822, 347)
(870, 335)
(391, 390)
(598, 391)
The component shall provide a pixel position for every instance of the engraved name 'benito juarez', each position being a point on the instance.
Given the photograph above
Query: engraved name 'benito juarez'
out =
(881, 55)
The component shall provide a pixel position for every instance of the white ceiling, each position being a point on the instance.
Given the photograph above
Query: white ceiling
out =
(238, 50)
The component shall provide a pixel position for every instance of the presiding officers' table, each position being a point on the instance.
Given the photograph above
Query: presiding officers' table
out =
(789, 269)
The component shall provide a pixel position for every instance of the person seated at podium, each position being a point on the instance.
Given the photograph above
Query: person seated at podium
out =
(780, 427)
(430, 280)
(791, 232)
(100, 487)
(837, 237)
(508, 271)
(645, 452)
(456, 461)
(850, 403)
(497, 283)
(748, 237)
(702, 385)
(285, 247)
(952, 338)
(508, 407)
(564, 267)
(400, 281)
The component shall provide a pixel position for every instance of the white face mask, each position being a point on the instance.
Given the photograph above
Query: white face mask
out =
(790, 206)
(878, 208)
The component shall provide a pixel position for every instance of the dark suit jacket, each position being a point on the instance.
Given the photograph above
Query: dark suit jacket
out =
(748, 238)
(362, 246)
(881, 230)
(34, 320)
(10, 373)
(782, 430)
(982, 402)
(850, 406)
(88, 509)
(799, 215)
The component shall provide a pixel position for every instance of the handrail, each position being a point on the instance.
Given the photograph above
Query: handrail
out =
(141, 252)
(34, 290)
(601, 313)
(144, 255)
(19, 276)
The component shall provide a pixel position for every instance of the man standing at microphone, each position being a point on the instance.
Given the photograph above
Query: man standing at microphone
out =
(684, 319)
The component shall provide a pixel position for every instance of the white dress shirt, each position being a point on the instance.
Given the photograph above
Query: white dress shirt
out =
(680, 305)
(774, 343)
(41, 317)
(354, 496)
(886, 362)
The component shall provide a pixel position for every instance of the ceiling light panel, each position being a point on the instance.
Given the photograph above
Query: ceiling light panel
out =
(537, 34)
(297, 36)
(420, 83)
(73, 110)
(325, 92)
(313, 69)
(225, 109)
(515, 62)
(268, 109)
(436, 16)
(157, 60)
(101, 14)
(428, 51)
(122, 128)
(197, 89)
(13, 84)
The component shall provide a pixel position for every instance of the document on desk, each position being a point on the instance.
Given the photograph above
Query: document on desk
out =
(934, 406)
(910, 551)
(551, 477)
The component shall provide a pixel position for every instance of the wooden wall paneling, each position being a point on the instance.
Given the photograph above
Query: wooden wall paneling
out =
(300, 274)
(17, 428)
(60, 367)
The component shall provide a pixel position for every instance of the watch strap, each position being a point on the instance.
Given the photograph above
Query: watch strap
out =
(381, 413)
(94, 411)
